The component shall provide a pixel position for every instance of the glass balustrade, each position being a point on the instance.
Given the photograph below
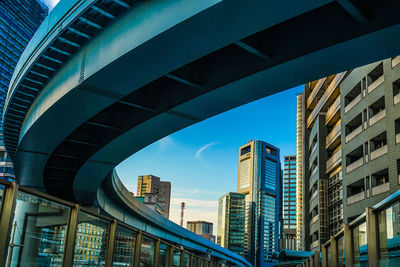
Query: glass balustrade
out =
(147, 252)
(124, 249)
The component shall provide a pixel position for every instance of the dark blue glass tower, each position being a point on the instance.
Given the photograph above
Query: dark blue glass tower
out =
(259, 179)
(19, 20)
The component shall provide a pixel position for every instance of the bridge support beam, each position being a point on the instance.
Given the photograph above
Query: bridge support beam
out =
(111, 244)
(334, 261)
(138, 245)
(6, 219)
(372, 238)
(68, 260)
(348, 245)
(157, 252)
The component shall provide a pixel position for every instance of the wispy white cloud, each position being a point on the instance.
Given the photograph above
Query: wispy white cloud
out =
(51, 3)
(201, 150)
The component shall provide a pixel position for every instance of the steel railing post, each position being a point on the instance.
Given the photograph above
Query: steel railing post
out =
(111, 243)
(68, 258)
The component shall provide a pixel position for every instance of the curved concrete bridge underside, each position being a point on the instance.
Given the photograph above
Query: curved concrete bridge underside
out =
(102, 79)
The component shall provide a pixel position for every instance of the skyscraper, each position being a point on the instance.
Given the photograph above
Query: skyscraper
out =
(289, 204)
(230, 233)
(259, 178)
(202, 228)
(299, 173)
(150, 184)
(19, 20)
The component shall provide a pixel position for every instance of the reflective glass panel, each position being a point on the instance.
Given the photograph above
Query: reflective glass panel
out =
(38, 232)
(389, 236)
(91, 240)
(124, 249)
(147, 252)
(163, 258)
(340, 255)
(176, 260)
(360, 249)
(186, 260)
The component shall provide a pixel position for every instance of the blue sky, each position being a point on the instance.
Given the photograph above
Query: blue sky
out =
(201, 160)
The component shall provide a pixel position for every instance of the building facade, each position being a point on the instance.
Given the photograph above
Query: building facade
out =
(288, 240)
(351, 145)
(19, 19)
(370, 107)
(231, 210)
(150, 184)
(322, 164)
(202, 228)
(299, 172)
(259, 178)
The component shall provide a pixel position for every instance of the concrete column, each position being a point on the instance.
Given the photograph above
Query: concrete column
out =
(372, 238)
(348, 246)
(157, 252)
(6, 219)
(111, 244)
(68, 259)
(170, 255)
(312, 261)
(334, 262)
(182, 259)
(324, 256)
(316, 259)
(308, 262)
(138, 248)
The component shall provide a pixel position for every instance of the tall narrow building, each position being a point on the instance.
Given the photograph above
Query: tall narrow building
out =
(230, 232)
(322, 181)
(202, 228)
(299, 173)
(288, 240)
(18, 22)
(259, 178)
(151, 184)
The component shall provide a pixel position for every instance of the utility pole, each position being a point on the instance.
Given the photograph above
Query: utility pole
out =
(182, 208)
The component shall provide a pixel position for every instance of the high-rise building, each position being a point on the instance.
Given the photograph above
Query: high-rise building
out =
(150, 184)
(230, 233)
(299, 173)
(288, 240)
(19, 20)
(351, 145)
(370, 110)
(202, 228)
(322, 165)
(259, 178)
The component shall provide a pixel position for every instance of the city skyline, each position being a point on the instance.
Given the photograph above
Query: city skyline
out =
(205, 151)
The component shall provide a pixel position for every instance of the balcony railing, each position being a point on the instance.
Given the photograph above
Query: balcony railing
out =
(314, 219)
(313, 149)
(332, 110)
(396, 99)
(356, 164)
(397, 138)
(354, 133)
(377, 117)
(314, 172)
(335, 133)
(379, 152)
(398, 178)
(380, 189)
(395, 61)
(315, 91)
(375, 84)
(352, 103)
(355, 198)
(334, 160)
(313, 196)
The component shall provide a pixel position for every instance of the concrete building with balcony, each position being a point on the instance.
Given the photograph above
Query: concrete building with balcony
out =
(371, 138)
(322, 162)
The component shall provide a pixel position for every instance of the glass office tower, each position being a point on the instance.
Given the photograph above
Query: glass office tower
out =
(259, 178)
(19, 20)
(289, 204)
(230, 234)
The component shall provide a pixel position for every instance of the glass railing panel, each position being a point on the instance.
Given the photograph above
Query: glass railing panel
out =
(389, 235)
(340, 252)
(186, 260)
(124, 248)
(194, 261)
(38, 232)
(201, 263)
(91, 240)
(163, 258)
(147, 252)
(176, 260)
(360, 247)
